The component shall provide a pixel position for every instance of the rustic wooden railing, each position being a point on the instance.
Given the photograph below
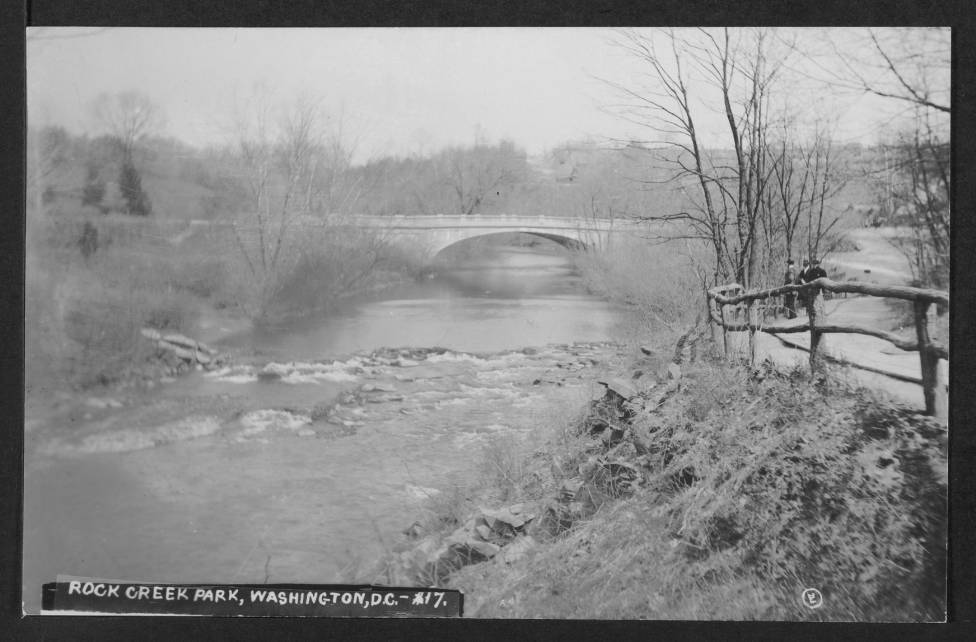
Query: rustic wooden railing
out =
(929, 351)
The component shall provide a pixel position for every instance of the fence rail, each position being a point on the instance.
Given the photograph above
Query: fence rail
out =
(929, 351)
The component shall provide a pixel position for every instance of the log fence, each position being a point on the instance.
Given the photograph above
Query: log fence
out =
(745, 317)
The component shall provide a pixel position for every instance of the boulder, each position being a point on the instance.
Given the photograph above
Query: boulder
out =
(187, 342)
(268, 375)
(495, 519)
(516, 551)
(455, 554)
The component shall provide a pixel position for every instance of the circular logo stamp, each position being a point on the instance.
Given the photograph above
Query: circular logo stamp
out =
(812, 598)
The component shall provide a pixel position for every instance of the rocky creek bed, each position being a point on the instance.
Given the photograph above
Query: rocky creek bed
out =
(306, 470)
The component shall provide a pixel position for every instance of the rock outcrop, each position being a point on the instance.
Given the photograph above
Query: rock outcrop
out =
(182, 350)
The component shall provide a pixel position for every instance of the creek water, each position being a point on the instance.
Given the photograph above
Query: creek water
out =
(303, 461)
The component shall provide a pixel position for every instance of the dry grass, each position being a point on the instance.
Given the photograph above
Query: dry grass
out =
(84, 313)
(756, 487)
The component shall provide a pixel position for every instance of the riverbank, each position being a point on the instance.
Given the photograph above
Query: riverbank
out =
(701, 496)
(297, 469)
(706, 490)
(88, 303)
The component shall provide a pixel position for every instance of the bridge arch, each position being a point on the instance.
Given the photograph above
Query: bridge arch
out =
(435, 233)
(439, 245)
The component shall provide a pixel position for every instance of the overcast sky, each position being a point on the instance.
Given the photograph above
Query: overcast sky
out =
(400, 90)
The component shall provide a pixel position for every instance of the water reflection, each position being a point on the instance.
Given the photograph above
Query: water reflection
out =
(300, 502)
(500, 298)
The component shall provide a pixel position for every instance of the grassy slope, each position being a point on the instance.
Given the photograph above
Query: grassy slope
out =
(751, 489)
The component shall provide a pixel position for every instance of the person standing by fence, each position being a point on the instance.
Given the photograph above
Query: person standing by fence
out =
(800, 280)
(789, 299)
(815, 272)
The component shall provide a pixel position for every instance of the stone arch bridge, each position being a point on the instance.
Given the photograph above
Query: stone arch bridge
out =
(437, 232)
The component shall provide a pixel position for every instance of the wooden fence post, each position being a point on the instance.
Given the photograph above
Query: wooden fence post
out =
(816, 359)
(929, 361)
(725, 332)
(752, 320)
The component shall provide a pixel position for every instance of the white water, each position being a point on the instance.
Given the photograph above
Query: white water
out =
(310, 461)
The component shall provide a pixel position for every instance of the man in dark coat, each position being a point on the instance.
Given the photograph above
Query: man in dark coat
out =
(800, 280)
(789, 299)
(815, 272)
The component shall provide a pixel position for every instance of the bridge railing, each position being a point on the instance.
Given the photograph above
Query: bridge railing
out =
(929, 351)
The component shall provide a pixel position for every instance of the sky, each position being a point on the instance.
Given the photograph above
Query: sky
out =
(398, 91)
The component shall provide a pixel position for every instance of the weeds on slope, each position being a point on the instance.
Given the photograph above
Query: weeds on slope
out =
(753, 486)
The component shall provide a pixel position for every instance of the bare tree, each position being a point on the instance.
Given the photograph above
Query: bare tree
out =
(478, 174)
(128, 117)
(909, 65)
(805, 177)
(729, 194)
(47, 151)
(295, 172)
(920, 188)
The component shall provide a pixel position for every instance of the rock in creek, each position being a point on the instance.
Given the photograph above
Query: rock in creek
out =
(378, 387)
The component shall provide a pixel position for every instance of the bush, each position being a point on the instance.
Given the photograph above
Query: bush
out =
(653, 281)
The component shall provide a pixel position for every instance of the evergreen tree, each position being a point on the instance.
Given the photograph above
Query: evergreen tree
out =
(130, 185)
(94, 190)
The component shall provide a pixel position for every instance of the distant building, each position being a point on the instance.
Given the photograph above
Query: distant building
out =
(567, 164)
(566, 172)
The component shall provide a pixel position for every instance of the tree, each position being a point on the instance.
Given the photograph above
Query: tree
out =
(804, 179)
(48, 150)
(734, 71)
(478, 175)
(94, 190)
(908, 65)
(129, 117)
(919, 192)
(294, 172)
(910, 68)
(130, 186)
